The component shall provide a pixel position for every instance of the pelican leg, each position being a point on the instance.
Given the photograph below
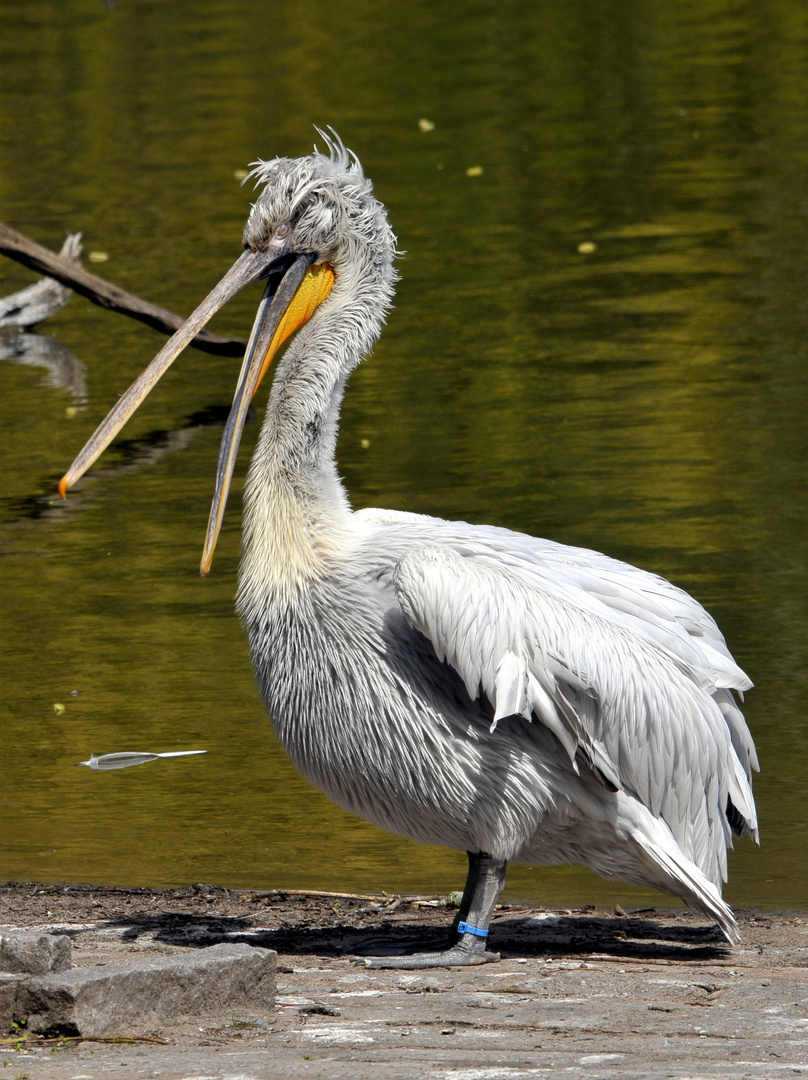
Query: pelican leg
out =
(484, 884)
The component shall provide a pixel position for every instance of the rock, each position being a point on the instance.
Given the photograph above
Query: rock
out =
(36, 954)
(139, 995)
(9, 987)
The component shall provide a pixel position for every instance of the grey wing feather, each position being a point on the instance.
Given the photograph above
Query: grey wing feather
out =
(633, 703)
(616, 592)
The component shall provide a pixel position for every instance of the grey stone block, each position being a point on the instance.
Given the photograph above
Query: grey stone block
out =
(228, 981)
(9, 987)
(37, 954)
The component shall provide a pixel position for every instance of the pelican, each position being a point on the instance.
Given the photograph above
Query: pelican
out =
(456, 684)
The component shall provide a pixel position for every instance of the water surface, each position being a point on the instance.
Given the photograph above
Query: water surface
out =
(644, 395)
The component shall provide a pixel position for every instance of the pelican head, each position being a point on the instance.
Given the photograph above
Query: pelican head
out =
(320, 239)
(329, 208)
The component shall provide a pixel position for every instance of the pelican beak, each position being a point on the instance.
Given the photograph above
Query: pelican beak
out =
(294, 289)
(283, 309)
(250, 266)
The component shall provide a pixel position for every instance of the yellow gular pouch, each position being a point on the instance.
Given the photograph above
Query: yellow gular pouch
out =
(314, 288)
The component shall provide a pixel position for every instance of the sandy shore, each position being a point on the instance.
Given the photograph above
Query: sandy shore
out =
(581, 993)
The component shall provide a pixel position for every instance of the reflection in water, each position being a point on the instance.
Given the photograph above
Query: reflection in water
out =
(647, 398)
(128, 457)
(64, 370)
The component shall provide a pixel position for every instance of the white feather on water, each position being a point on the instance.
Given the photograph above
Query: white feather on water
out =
(127, 758)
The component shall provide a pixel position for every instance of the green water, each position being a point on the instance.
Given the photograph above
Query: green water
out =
(647, 398)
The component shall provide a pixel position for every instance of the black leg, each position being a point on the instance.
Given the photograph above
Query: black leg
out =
(484, 884)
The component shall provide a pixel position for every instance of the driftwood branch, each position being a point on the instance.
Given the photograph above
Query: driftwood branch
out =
(44, 261)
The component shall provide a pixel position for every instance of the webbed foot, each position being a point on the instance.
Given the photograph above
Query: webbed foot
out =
(462, 954)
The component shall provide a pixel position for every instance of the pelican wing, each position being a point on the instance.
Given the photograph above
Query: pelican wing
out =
(624, 705)
(593, 584)
(648, 603)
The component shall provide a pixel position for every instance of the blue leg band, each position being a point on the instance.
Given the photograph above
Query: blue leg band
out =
(464, 928)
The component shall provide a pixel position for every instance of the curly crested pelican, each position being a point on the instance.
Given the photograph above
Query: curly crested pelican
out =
(457, 684)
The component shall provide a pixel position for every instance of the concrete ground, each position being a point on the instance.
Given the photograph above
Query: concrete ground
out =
(577, 994)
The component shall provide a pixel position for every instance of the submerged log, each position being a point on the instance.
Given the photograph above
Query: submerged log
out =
(106, 295)
(45, 297)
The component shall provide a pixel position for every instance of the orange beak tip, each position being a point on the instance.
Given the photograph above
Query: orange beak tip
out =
(63, 485)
